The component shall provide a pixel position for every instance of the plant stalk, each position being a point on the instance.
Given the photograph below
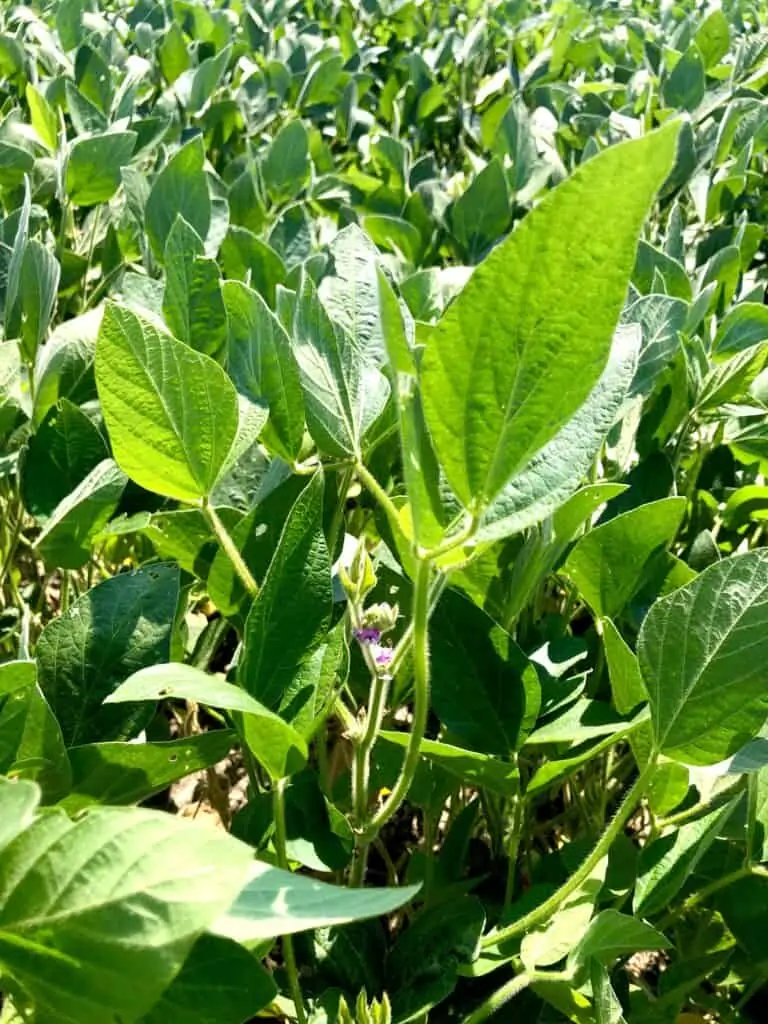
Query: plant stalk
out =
(289, 956)
(499, 998)
(377, 702)
(229, 546)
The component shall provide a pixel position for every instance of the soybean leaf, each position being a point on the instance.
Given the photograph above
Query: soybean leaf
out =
(139, 890)
(285, 167)
(263, 367)
(19, 802)
(742, 327)
(272, 741)
(479, 770)
(667, 862)
(481, 214)
(422, 966)
(484, 690)
(69, 532)
(94, 164)
(127, 773)
(607, 564)
(558, 468)
(534, 323)
(273, 902)
(64, 367)
(702, 652)
(713, 37)
(31, 744)
(551, 942)
(219, 981)
(610, 935)
(206, 79)
(58, 456)
(180, 188)
(111, 631)
(685, 87)
(344, 393)
(291, 613)
(38, 284)
(582, 720)
(193, 306)
(171, 412)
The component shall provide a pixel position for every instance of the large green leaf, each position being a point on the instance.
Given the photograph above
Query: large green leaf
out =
(64, 366)
(116, 628)
(290, 616)
(180, 188)
(275, 903)
(98, 916)
(19, 802)
(193, 306)
(607, 564)
(522, 346)
(559, 467)
(263, 367)
(703, 653)
(171, 412)
(273, 742)
(285, 167)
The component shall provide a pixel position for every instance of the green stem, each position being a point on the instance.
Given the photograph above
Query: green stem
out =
(420, 701)
(499, 998)
(384, 500)
(541, 914)
(229, 546)
(377, 702)
(518, 813)
(278, 809)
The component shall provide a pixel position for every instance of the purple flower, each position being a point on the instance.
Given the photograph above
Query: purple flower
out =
(368, 635)
(383, 655)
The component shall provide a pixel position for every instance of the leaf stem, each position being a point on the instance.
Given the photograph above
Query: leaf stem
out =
(541, 914)
(377, 702)
(278, 810)
(420, 701)
(499, 998)
(229, 546)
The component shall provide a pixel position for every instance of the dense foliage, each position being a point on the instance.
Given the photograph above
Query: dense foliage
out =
(383, 454)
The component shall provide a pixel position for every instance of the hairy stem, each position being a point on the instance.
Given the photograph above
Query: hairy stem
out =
(278, 810)
(703, 895)
(229, 546)
(541, 914)
(501, 996)
(377, 702)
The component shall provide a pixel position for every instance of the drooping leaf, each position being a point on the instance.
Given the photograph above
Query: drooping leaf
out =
(502, 372)
(171, 412)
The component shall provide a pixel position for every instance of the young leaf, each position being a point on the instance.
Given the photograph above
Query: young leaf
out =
(535, 321)
(703, 653)
(171, 412)
(290, 616)
(263, 367)
(607, 564)
(180, 188)
(111, 631)
(193, 306)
